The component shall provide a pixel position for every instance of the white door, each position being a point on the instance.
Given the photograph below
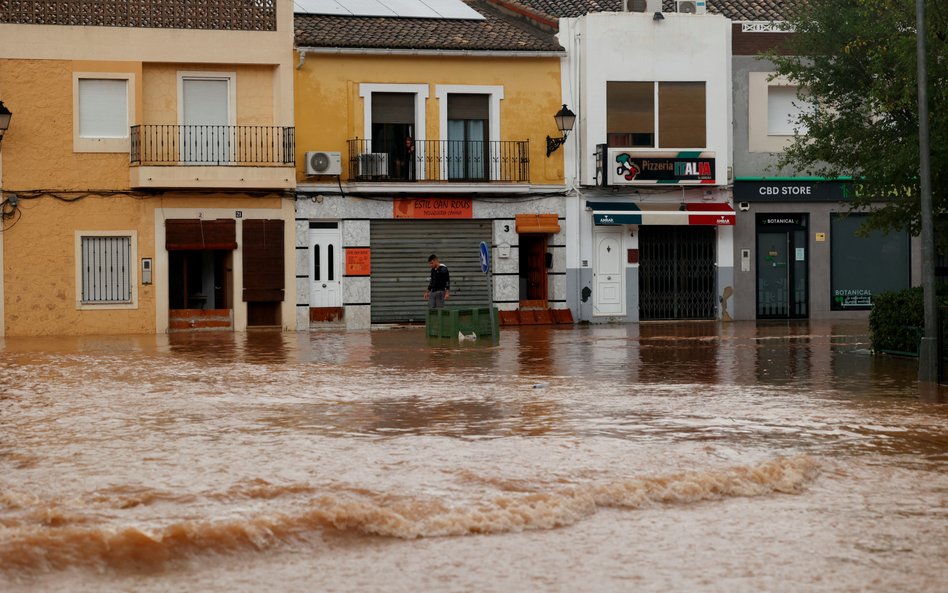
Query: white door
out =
(325, 256)
(608, 272)
(206, 132)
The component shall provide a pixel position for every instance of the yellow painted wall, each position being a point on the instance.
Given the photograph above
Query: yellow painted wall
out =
(40, 259)
(38, 149)
(254, 84)
(329, 110)
(39, 242)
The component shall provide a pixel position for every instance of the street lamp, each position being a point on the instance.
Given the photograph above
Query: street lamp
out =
(564, 123)
(5, 115)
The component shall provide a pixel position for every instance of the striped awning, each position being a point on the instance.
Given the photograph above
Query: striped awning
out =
(693, 213)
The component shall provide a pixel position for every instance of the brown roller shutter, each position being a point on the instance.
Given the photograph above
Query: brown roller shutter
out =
(393, 108)
(200, 235)
(263, 260)
(467, 106)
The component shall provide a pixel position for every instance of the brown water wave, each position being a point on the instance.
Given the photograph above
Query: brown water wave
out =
(54, 546)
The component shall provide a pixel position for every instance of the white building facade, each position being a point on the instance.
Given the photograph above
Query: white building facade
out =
(649, 230)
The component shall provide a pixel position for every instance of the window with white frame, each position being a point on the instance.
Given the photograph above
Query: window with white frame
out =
(102, 104)
(106, 269)
(469, 120)
(393, 145)
(784, 109)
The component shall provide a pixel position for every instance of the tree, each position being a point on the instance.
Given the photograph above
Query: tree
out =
(855, 60)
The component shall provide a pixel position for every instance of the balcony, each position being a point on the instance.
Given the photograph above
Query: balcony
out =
(436, 161)
(212, 157)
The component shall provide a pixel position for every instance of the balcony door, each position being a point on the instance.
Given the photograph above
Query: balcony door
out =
(392, 151)
(206, 118)
(467, 137)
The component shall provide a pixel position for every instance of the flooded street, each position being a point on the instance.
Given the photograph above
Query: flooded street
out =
(655, 457)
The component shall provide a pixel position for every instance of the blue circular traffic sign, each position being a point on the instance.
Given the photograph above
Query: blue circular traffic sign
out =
(485, 257)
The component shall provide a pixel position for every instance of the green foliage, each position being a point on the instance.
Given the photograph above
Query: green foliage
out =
(897, 319)
(856, 60)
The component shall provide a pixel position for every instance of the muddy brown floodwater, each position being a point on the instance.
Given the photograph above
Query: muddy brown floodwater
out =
(692, 457)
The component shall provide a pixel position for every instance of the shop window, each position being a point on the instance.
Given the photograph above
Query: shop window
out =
(864, 266)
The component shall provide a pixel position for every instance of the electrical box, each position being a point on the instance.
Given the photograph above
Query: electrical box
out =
(146, 270)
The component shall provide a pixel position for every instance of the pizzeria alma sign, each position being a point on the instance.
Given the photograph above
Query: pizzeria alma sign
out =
(628, 167)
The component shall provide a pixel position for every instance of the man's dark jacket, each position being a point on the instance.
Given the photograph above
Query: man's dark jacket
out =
(440, 279)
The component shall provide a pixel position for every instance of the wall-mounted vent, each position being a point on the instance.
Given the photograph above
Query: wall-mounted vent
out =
(323, 163)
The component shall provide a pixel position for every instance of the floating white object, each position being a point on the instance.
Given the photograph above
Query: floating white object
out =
(461, 337)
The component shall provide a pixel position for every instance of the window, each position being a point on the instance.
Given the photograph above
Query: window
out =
(679, 121)
(773, 110)
(102, 104)
(469, 118)
(864, 266)
(467, 136)
(784, 110)
(106, 263)
(393, 130)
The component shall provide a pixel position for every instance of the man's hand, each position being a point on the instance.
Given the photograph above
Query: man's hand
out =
(426, 295)
(446, 294)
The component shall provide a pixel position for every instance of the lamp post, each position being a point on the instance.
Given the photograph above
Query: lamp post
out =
(564, 119)
(928, 357)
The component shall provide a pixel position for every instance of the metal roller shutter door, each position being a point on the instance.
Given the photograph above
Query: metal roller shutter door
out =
(400, 271)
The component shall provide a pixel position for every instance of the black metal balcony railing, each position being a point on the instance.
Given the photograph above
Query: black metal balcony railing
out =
(239, 146)
(440, 160)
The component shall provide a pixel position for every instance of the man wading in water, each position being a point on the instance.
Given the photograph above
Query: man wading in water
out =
(439, 286)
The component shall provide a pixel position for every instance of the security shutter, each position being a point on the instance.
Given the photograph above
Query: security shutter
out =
(677, 272)
(106, 263)
(263, 260)
(400, 270)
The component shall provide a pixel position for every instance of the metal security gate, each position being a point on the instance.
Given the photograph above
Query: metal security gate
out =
(400, 271)
(677, 273)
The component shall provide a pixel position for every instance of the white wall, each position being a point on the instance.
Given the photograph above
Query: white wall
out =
(624, 46)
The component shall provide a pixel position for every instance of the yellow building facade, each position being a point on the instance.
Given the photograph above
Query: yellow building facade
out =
(417, 137)
(143, 171)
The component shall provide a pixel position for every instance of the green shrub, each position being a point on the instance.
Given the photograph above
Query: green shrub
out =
(897, 319)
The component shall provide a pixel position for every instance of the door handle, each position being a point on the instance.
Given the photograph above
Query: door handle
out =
(324, 286)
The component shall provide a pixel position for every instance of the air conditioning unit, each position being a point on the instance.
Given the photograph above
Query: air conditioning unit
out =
(642, 5)
(323, 163)
(373, 164)
(692, 6)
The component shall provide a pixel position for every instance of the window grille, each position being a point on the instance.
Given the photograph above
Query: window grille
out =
(106, 269)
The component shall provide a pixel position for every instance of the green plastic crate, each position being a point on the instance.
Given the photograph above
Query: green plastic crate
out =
(448, 323)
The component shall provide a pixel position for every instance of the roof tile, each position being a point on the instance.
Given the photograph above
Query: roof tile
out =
(736, 10)
(499, 31)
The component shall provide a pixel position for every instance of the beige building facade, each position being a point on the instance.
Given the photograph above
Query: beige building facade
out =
(148, 170)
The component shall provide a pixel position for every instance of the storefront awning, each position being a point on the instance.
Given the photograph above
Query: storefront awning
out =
(695, 213)
(538, 223)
